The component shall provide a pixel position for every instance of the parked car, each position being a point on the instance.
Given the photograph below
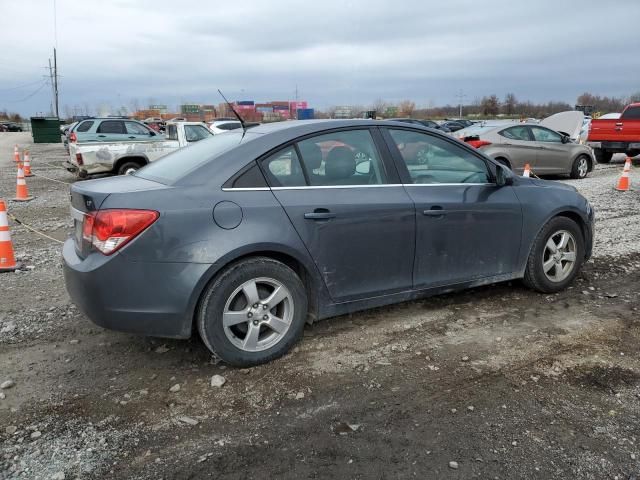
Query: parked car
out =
(453, 126)
(112, 130)
(547, 151)
(3, 128)
(462, 121)
(125, 157)
(424, 123)
(222, 126)
(12, 126)
(246, 236)
(621, 135)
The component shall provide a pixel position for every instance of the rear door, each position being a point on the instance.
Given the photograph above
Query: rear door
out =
(467, 227)
(111, 131)
(553, 155)
(346, 203)
(517, 141)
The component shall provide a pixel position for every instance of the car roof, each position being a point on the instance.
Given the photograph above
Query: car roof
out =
(302, 127)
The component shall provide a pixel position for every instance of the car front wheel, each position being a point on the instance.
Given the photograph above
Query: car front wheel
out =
(556, 256)
(580, 167)
(254, 312)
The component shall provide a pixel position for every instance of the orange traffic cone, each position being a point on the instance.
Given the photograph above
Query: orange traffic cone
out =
(16, 154)
(27, 164)
(7, 259)
(22, 193)
(527, 170)
(624, 183)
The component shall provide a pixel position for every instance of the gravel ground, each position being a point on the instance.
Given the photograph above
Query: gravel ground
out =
(495, 382)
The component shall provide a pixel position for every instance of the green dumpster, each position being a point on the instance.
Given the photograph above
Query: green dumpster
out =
(45, 129)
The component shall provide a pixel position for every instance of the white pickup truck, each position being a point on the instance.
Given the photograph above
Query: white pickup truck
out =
(126, 157)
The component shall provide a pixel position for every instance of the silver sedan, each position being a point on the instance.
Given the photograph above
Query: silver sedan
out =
(546, 151)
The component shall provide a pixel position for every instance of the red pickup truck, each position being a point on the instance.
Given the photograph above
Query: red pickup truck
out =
(620, 135)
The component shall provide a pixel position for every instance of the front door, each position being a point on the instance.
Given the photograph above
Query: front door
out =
(467, 227)
(553, 155)
(518, 144)
(357, 225)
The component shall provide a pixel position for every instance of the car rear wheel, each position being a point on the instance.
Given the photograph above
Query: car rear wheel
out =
(580, 167)
(556, 256)
(128, 168)
(602, 156)
(253, 312)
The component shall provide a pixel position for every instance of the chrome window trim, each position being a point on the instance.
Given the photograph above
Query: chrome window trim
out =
(246, 189)
(316, 187)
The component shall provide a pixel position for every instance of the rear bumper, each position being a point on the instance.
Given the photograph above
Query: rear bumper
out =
(155, 299)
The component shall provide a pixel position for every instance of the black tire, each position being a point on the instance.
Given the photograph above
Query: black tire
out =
(127, 166)
(575, 172)
(602, 156)
(534, 276)
(215, 296)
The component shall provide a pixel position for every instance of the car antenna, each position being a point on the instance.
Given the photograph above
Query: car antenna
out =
(244, 127)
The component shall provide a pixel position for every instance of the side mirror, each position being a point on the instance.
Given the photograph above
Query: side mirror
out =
(503, 177)
(152, 133)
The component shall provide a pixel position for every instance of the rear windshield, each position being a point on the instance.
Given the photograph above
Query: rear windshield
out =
(178, 164)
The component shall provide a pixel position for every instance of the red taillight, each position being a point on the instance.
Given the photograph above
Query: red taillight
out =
(79, 160)
(73, 137)
(478, 143)
(110, 230)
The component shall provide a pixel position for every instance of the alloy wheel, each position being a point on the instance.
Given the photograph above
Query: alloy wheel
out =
(583, 167)
(559, 256)
(258, 314)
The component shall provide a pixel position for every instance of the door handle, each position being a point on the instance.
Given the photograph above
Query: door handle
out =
(435, 211)
(619, 124)
(132, 137)
(319, 214)
(102, 136)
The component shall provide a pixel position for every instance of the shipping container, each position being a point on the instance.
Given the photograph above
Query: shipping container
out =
(280, 103)
(305, 113)
(300, 105)
(281, 108)
(245, 102)
(268, 109)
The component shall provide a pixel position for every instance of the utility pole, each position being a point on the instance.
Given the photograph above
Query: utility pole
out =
(460, 96)
(55, 81)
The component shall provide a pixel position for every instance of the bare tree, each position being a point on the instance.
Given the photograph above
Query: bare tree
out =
(406, 108)
(509, 104)
(490, 105)
(380, 106)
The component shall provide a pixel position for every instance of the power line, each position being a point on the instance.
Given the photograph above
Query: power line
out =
(21, 86)
(44, 84)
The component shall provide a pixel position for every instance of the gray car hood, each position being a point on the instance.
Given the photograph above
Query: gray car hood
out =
(566, 122)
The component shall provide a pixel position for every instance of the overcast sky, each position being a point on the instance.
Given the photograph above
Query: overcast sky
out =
(336, 52)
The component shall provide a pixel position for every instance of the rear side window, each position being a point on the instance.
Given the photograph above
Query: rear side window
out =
(172, 132)
(342, 158)
(631, 113)
(111, 126)
(516, 133)
(283, 168)
(84, 127)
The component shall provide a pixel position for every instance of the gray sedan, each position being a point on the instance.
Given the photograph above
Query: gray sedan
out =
(247, 236)
(546, 151)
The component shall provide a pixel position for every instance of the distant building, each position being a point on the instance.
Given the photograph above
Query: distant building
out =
(160, 108)
(343, 112)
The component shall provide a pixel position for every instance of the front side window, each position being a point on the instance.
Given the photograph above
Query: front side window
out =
(516, 133)
(134, 128)
(195, 133)
(283, 169)
(430, 159)
(544, 135)
(342, 158)
(111, 126)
